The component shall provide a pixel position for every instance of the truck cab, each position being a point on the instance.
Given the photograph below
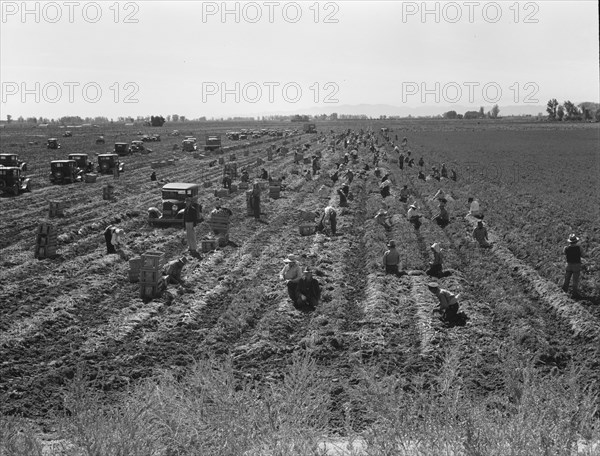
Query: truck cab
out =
(64, 171)
(173, 202)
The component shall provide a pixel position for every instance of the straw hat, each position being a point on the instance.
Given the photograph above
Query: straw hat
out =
(433, 285)
(436, 246)
(391, 244)
(290, 259)
(573, 239)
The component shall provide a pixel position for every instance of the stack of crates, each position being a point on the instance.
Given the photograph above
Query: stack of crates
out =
(275, 189)
(107, 192)
(45, 244)
(135, 265)
(221, 161)
(219, 224)
(306, 229)
(57, 209)
(151, 283)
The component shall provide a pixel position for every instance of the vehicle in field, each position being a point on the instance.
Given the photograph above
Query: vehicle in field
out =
(100, 140)
(12, 181)
(64, 171)
(212, 142)
(189, 145)
(173, 203)
(234, 136)
(137, 146)
(309, 128)
(243, 136)
(82, 161)
(12, 160)
(67, 134)
(155, 138)
(53, 143)
(175, 133)
(122, 148)
(108, 162)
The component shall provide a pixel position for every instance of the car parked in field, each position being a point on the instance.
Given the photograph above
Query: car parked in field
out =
(64, 171)
(108, 162)
(12, 160)
(82, 162)
(52, 143)
(137, 146)
(12, 181)
(173, 203)
(122, 148)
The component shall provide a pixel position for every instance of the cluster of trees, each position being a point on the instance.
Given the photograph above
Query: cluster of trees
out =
(481, 114)
(569, 111)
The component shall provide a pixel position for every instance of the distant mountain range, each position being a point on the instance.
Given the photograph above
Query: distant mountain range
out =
(376, 110)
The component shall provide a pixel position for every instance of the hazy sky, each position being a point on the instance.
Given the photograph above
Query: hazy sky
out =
(242, 58)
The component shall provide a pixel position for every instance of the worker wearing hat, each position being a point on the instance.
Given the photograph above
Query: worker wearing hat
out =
(292, 274)
(435, 267)
(414, 216)
(573, 252)
(448, 305)
(309, 290)
(172, 270)
(391, 260)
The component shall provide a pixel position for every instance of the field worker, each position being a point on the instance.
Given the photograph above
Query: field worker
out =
(435, 267)
(255, 200)
(421, 162)
(264, 174)
(153, 176)
(307, 175)
(292, 274)
(404, 194)
(573, 253)
(227, 182)
(474, 209)
(172, 271)
(335, 176)
(244, 176)
(444, 171)
(346, 158)
(190, 217)
(480, 234)
(413, 216)
(315, 165)
(453, 174)
(309, 290)
(421, 176)
(383, 219)
(108, 236)
(349, 176)
(401, 161)
(330, 217)
(442, 218)
(391, 260)
(384, 188)
(435, 173)
(296, 157)
(448, 302)
(404, 142)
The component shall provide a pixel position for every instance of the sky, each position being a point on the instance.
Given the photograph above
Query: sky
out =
(220, 59)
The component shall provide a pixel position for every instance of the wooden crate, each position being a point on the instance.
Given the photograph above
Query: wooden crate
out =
(90, 178)
(306, 229)
(275, 192)
(208, 245)
(148, 291)
(222, 192)
(207, 184)
(56, 209)
(270, 156)
(153, 260)
(243, 186)
(134, 269)
(46, 239)
(306, 161)
(44, 251)
(150, 276)
(45, 228)
(107, 192)
(221, 161)
(234, 188)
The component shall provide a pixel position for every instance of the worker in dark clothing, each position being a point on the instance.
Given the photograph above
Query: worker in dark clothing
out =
(309, 290)
(153, 176)
(573, 253)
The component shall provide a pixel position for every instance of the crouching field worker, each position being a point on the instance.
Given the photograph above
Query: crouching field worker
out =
(436, 266)
(309, 291)
(172, 271)
(292, 274)
(448, 305)
(329, 217)
(112, 236)
(480, 234)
